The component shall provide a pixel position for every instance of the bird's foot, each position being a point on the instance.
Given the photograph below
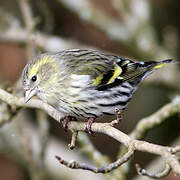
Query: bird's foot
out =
(66, 120)
(89, 124)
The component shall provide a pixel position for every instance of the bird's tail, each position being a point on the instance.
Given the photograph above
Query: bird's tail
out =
(161, 64)
(153, 66)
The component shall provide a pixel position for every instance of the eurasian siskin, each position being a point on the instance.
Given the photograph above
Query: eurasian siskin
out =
(85, 83)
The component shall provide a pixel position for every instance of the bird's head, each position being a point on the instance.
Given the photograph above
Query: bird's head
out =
(38, 76)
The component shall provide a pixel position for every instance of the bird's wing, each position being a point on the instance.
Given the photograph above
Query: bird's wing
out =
(88, 62)
(107, 71)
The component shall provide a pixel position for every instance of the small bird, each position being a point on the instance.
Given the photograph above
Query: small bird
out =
(85, 83)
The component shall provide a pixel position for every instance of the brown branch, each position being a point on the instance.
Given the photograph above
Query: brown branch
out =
(107, 129)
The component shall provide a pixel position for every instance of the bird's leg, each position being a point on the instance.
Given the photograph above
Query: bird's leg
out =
(66, 120)
(89, 124)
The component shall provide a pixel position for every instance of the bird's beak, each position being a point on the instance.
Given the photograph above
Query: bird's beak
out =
(29, 94)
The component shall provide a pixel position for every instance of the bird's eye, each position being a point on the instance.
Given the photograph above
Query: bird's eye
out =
(34, 78)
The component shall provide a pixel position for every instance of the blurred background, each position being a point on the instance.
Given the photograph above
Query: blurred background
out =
(138, 29)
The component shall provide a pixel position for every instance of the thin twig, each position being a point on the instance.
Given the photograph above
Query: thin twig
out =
(43, 41)
(73, 140)
(159, 175)
(118, 117)
(155, 119)
(104, 169)
(29, 24)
